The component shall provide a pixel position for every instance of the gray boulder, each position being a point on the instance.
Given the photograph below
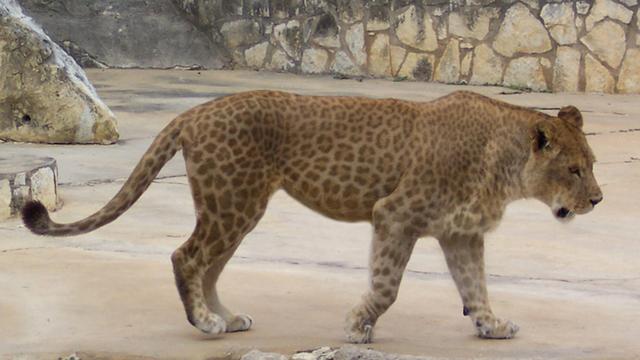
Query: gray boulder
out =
(128, 34)
(44, 95)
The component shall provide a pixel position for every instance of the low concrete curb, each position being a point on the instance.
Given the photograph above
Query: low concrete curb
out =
(24, 178)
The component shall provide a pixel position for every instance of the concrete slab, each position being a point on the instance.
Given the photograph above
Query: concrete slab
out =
(574, 289)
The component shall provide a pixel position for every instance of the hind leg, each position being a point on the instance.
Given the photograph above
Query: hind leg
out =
(189, 264)
(226, 213)
(235, 322)
(199, 262)
(229, 228)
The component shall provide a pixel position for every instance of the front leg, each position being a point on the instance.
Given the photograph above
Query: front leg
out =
(391, 249)
(465, 257)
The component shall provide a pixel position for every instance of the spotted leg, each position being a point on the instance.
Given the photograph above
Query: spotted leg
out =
(235, 322)
(189, 264)
(390, 251)
(225, 215)
(465, 258)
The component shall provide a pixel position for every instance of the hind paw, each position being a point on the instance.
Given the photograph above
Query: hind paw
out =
(212, 324)
(240, 322)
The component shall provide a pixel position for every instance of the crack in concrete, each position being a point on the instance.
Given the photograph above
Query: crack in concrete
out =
(170, 183)
(10, 229)
(632, 160)
(344, 266)
(96, 182)
(574, 284)
(340, 265)
(544, 108)
(24, 249)
(619, 131)
(417, 273)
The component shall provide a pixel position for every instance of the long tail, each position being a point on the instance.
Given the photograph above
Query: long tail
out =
(36, 217)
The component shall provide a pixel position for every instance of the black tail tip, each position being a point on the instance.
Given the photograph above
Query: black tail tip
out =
(35, 216)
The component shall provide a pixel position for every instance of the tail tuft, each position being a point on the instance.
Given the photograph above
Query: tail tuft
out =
(36, 217)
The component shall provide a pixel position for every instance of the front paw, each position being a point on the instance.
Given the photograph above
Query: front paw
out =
(211, 324)
(494, 328)
(358, 328)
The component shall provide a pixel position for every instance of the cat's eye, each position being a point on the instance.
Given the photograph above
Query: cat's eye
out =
(575, 171)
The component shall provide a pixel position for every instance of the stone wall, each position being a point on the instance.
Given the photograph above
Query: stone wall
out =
(541, 45)
(583, 45)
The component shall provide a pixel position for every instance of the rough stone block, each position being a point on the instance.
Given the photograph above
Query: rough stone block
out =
(416, 30)
(487, 66)
(607, 41)
(380, 56)
(24, 178)
(44, 95)
(559, 19)
(566, 70)
(418, 67)
(42, 189)
(607, 8)
(342, 64)
(629, 77)
(448, 69)
(289, 36)
(522, 32)
(280, 62)
(525, 72)
(314, 61)
(598, 78)
(475, 27)
(255, 55)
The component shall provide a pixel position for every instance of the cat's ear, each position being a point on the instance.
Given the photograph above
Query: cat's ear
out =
(572, 115)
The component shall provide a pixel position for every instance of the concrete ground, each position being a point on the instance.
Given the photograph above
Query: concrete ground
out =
(573, 289)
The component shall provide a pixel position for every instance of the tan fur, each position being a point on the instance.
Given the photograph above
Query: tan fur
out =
(445, 168)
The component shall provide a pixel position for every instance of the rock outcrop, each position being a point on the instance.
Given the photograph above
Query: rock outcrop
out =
(44, 95)
(131, 33)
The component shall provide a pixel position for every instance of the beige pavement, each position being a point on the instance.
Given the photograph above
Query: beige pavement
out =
(573, 289)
